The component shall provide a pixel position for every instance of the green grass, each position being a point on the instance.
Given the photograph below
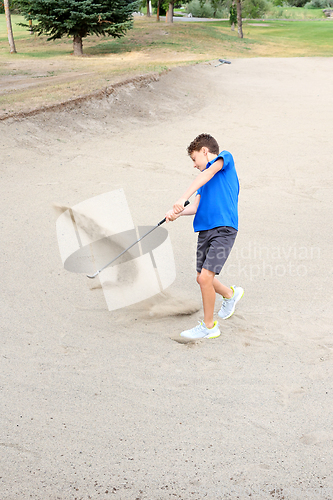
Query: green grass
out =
(30, 45)
(294, 13)
(308, 38)
(314, 36)
(19, 31)
(45, 72)
(163, 37)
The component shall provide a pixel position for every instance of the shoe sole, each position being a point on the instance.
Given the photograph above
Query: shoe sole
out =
(233, 310)
(214, 336)
(211, 336)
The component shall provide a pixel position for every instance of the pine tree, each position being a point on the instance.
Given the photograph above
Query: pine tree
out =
(79, 18)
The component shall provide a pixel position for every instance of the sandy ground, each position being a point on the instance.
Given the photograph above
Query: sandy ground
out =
(98, 404)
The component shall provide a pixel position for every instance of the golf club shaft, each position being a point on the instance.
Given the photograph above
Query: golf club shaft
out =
(128, 248)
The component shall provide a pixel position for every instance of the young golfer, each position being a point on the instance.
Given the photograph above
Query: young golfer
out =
(216, 221)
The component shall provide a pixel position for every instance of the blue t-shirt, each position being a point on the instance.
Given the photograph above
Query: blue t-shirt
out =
(218, 204)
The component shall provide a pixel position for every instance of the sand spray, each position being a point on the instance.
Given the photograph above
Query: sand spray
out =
(163, 305)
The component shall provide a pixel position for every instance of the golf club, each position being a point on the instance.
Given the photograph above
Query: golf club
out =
(126, 249)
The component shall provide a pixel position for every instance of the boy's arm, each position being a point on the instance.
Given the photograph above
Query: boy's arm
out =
(199, 181)
(189, 210)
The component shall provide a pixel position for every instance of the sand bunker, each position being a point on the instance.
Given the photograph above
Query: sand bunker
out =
(98, 402)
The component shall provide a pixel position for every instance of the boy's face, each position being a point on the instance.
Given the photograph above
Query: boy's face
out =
(200, 159)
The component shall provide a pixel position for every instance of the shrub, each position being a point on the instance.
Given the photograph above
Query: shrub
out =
(233, 14)
(280, 3)
(297, 3)
(254, 9)
(319, 4)
(198, 9)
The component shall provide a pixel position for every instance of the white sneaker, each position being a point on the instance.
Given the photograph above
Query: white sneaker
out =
(228, 305)
(202, 332)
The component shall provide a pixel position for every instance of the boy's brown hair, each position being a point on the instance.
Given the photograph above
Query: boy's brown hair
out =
(204, 141)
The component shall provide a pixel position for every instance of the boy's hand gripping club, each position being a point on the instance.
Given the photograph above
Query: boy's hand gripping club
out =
(126, 249)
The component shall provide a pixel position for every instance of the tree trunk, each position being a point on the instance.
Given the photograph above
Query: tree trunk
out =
(148, 9)
(169, 17)
(77, 45)
(9, 28)
(239, 18)
(158, 10)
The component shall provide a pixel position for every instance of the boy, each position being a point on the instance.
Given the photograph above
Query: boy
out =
(216, 220)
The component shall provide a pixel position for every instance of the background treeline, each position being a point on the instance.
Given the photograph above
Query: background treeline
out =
(252, 9)
(12, 6)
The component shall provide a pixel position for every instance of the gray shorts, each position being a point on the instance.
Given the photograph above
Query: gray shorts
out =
(214, 247)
